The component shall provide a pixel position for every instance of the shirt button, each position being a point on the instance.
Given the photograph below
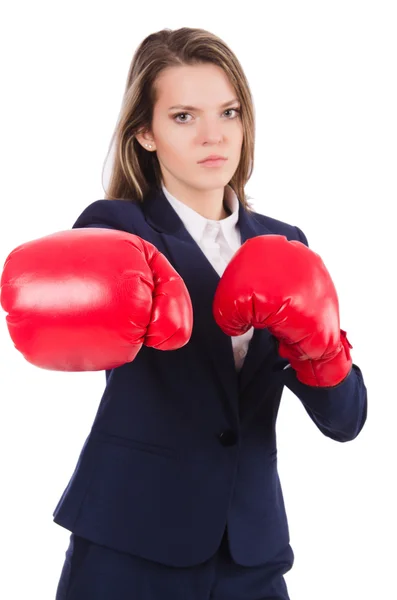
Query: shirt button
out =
(228, 437)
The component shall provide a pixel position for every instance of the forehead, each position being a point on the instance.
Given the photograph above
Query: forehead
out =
(201, 85)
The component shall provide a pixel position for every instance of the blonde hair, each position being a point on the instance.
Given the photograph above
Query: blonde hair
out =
(134, 170)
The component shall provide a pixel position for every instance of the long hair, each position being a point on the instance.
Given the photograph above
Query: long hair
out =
(135, 170)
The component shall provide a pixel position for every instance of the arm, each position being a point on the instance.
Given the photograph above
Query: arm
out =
(338, 411)
(282, 285)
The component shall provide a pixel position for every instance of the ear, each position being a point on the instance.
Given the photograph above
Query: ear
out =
(145, 138)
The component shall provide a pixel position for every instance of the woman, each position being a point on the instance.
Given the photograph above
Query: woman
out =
(200, 310)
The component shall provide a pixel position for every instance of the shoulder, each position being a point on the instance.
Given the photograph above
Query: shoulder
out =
(291, 232)
(115, 214)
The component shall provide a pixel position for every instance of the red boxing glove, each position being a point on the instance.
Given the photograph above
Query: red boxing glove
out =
(87, 299)
(284, 286)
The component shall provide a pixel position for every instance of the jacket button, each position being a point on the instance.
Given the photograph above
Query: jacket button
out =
(228, 437)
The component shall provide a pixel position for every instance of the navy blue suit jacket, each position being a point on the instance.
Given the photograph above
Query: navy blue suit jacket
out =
(183, 445)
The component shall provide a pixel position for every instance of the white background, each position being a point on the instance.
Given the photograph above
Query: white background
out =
(323, 76)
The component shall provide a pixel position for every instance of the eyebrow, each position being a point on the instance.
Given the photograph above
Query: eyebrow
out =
(188, 107)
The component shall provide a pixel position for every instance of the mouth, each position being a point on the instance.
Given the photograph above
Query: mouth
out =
(213, 162)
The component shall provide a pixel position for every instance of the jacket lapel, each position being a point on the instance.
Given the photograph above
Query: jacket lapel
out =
(201, 279)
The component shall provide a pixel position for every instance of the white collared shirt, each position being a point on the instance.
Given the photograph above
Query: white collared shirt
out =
(218, 240)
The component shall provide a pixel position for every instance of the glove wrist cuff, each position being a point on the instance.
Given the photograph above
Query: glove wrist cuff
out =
(328, 372)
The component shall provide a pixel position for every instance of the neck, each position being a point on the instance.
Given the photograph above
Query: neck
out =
(207, 203)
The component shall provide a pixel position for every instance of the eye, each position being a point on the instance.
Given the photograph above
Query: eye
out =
(235, 110)
(175, 117)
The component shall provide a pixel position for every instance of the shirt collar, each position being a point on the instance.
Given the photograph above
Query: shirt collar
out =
(196, 223)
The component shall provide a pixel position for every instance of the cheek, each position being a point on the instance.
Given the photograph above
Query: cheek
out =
(175, 153)
(175, 147)
(167, 135)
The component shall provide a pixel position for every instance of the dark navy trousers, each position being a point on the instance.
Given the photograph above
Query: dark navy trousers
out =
(93, 572)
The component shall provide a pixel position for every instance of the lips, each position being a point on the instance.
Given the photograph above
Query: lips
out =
(213, 158)
(208, 160)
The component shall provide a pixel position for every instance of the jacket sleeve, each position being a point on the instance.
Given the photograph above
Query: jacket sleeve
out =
(340, 411)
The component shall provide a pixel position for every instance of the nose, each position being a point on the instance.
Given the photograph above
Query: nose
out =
(210, 131)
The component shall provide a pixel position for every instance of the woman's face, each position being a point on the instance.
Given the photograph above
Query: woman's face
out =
(184, 136)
